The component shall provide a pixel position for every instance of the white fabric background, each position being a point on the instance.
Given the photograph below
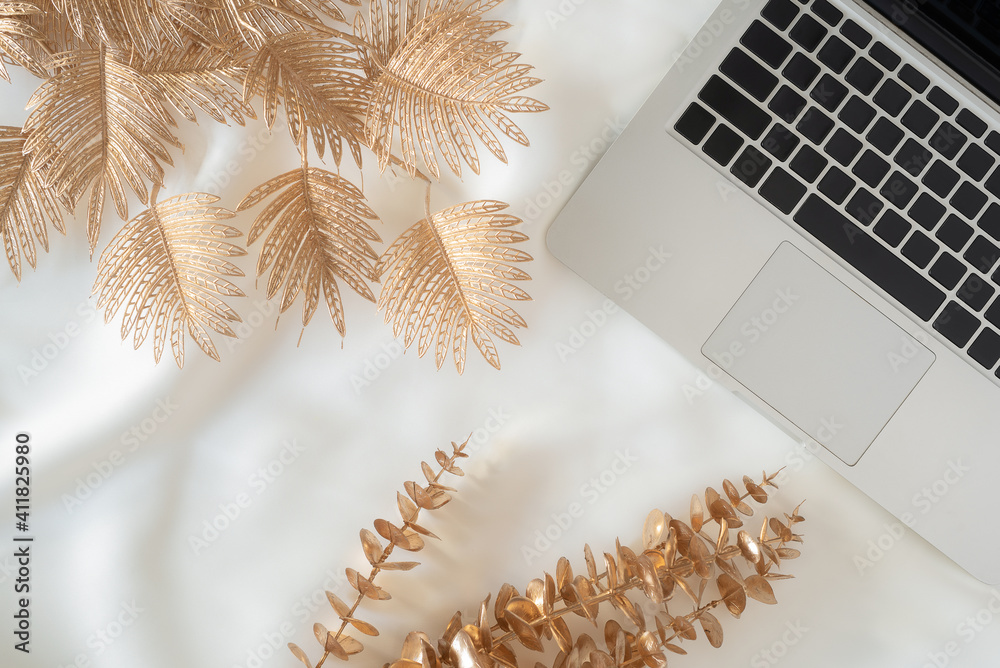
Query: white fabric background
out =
(543, 428)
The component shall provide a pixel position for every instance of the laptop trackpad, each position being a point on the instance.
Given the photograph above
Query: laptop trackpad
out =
(818, 353)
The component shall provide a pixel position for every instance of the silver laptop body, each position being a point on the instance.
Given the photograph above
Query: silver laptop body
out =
(768, 306)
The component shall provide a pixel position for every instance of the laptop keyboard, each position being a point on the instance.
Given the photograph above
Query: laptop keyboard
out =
(867, 155)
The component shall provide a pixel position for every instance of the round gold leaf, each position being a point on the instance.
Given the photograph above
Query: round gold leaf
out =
(343, 610)
(364, 627)
(732, 594)
(653, 529)
(759, 589)
(712, 628)
(299, 654)
(371, 546)
(328, 641)
(649, 650)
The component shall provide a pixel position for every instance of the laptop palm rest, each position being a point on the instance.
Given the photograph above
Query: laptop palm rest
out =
(817, 353)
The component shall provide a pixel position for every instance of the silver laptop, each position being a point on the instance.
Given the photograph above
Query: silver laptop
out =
(822, 178)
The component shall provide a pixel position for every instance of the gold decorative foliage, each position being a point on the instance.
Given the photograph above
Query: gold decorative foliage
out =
(407, 536)
(96, 126)
(165, 267)
(445, 277)
(186, 75)
(315, 80)
(26, 207)
(119, 74)
(438, 78)
(14, 28)
(318, 233)
(656, 595)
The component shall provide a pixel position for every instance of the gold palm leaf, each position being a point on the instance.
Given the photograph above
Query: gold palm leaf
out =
(26, 207)
(97, 124)
(166, 268)
(317, 233)
(143, 26)
(18, 37)
(257, 20)
(201, 76)
(317, 83)
(438, 78)
(444, 279)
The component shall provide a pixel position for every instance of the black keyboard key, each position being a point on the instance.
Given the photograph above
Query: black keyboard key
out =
(864, 206)
(926, 211)
(780, 142)
(885, 136)
(993, 313)
(694, 123)
(782, 190)
(942, 100)
(827, 12)
(920, 249)
(735, 107)
(941, 178)
(947, 140)
(723, 144)
(982, 254)
(748, 74)
(801, 71)
(993, 142)
(956, 324)
(948, 270)
(808, 163)
(864, 76)
(767, 44)
(986, 348)
(843, 147)
(913, 157)
(976, 162)
(836, 185)
(815, 125)
(976, 292)
(899, 190)
(836, 54)
(976, 126)
(892, 228)
(993, 183)
(914, 79)
(968, 200)
(869, 257)
(954, 233)
(807, 32)
(884, 56)
(920, 119)
(751, 166)
(892, 97)
(857, 114)
(780, 13)
(870, 168)
(989, 222)
(856, 34)
(829, 92)
(787, 104)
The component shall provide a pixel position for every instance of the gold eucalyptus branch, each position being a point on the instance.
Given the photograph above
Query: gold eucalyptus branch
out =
(676, 556)
(406, 537)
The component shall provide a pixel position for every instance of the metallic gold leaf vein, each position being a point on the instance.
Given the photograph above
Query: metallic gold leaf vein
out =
(435, 74)
(97, 125)
(445, 279)
(317, 82)
(26, 206)
(317, 232)
(164, 270)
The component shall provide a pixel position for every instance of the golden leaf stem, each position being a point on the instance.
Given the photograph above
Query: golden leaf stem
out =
(376, 569)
